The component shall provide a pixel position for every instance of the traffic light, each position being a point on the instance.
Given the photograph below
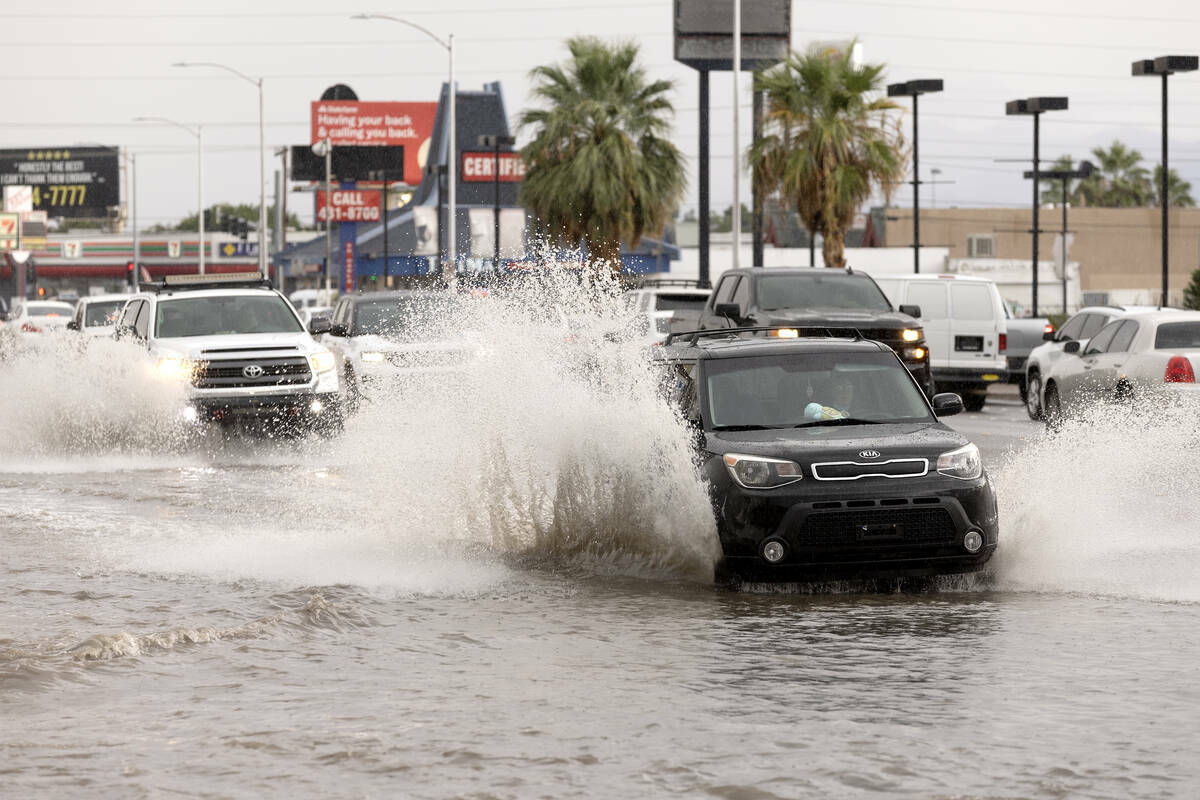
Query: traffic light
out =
(41, 292)
(131, 270)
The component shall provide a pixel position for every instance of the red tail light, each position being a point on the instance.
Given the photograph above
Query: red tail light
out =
(28, 328)
(1003, 342)
(1179, 370)
(1048, 328)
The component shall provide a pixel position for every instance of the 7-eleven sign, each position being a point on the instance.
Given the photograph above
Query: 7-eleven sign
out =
(10, 231)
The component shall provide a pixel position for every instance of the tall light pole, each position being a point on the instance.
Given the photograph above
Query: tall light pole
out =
(1065, 175)
(1035, 106)
(452, 156)
(915, 89)
(198, 132)
(736, 216)
(325, 148)
(262, 160)
(1164, 66)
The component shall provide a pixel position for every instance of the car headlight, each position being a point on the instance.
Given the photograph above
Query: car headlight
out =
(174, 368)
(322, 361)
(371, 356)
(910, 334)
(915, 353)
(963, 463)
(759, 472)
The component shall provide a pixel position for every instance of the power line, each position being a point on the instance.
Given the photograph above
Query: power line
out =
(1007, 11)
(491, 9)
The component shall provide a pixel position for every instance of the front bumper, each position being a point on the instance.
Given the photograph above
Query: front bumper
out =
(868, 528)
(283, 410)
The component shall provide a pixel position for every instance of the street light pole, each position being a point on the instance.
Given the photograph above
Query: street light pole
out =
(736, 216)
(1085, 170)
(915, 89)
(452, 156)
(325, 148)
(1165, 66)
(198, 132)
(1035, 106)
(262, 159)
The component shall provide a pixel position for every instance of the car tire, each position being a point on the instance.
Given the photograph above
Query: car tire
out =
(1052, 413)
(974, 401)
(1033, 397)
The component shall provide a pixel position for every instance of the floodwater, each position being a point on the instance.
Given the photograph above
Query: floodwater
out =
(500, 587)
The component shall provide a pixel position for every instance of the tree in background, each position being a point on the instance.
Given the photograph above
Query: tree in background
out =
(1179, 191)
(244, 211)
(600, 169)
(827, 142)
(1191, 295)
(1119, 180)
(1053, 192)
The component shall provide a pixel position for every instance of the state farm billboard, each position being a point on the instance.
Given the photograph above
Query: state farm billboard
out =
(477, 167)
(355, 122)
(349, 206)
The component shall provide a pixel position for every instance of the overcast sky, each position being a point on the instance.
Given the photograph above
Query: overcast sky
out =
(78, 72)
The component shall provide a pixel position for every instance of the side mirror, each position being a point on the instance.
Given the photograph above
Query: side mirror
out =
(337, 329)
(912, 311)
(125, 332)
(1071, 347)
(1047, 336)
(947, 404)
(319, 325)
(728, 310)
(72, 325)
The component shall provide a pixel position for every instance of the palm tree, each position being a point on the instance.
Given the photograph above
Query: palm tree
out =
(827, 142)
(1053, 194)
(600, 169)
(1119, 181)
(1179, 191)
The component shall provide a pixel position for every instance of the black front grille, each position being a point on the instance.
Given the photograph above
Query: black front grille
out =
(904, 526)
(852, 470)
(244, 373)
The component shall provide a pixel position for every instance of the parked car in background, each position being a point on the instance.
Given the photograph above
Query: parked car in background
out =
(1024, 334)
(1080, 327)
(798, 298)
(309, 298)
(963, 320)
(667, 305)
(1133, 356)
(96, 315)
(382, 338)
(41, 316)
(309, 313)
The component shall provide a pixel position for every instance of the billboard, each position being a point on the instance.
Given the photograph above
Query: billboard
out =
(373, 124)
(349, 205)
(65, 181)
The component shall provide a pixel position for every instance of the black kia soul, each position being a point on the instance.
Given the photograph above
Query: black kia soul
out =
(826, 461)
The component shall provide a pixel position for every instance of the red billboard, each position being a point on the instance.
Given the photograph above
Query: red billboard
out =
(477, 167)
(355, 122)
(349, 205)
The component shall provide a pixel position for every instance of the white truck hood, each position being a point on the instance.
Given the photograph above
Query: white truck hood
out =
(196, 346)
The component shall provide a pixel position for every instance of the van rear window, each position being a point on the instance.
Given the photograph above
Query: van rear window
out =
(971, 301)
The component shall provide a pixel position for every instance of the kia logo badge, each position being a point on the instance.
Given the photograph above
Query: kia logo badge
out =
(252, 371)
(868, 454)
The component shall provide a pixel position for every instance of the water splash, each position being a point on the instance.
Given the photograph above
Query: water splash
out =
(1105, 505)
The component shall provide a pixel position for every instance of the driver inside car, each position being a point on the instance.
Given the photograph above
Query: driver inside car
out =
(833, 400)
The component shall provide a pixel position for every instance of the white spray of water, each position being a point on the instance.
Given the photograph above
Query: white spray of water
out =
(1106, 505)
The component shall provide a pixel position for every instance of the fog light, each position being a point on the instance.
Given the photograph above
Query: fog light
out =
(317, 406)
(973, 541)
(773, 551)
(189, 414)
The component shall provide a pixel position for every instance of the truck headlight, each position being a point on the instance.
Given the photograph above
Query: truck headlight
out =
(910, 334)
(371, 357)
(174, 368)
(759, 472)
(322, 361)
(963, 463)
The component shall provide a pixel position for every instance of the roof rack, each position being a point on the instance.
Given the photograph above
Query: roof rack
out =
(802, 332)
(220, 280)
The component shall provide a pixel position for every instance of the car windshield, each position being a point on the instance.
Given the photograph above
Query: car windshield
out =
(49, 309)
(838, 291)
(103, 312)
(786, 391)
(407, 317)
(1177, 336)
(224, 314)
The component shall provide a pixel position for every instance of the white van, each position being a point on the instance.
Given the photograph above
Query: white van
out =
(964, 323)
(308, 298)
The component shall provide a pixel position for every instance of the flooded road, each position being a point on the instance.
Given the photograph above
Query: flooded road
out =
(515, 601)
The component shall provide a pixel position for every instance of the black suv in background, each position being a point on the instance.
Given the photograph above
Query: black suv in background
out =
(807, 298)
(825, 461)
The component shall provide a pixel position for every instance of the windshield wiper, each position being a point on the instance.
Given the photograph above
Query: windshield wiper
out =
(746, 427)
(841, 421)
